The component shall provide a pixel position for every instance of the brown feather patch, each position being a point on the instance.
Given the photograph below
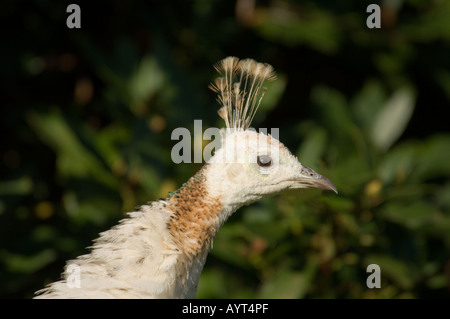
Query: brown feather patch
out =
(196, 216)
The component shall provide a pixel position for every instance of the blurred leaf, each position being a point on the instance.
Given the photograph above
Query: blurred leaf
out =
(414, 215)
(108, 141)
(74, 159)
(338, 203)
(367, 103)
(19, 186)
(90, 206)
(256, 215)
(284, 23)
(286, 284)
(391, 121)
(312, 150)
(275, 90)
(439, 281)
(350, 175)
(149, 178)
(24, 264)
(431, 25)
(399, 163)
(144, 83)
(433, 158)
(229, 247)
(212, 284)
(333, 109)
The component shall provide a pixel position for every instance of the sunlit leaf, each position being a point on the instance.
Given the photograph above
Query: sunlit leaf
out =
(144, 83)
(392, 120)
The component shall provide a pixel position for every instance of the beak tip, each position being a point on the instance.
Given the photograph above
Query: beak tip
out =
(312, 179)
(327, 184)
(332, 188)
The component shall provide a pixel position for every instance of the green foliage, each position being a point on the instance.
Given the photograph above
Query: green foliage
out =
(88, 114)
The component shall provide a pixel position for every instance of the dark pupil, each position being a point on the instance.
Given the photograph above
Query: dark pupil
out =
(264, 160)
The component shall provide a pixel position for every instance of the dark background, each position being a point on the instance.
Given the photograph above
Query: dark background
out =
(87, 115)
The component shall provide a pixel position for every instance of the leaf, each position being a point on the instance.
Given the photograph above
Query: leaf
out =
(19, 186)
(367, 103)
(393, 118)
(212, 284)
(288, 284)
(144, 82)
(314, 28)
(415, 215)
(433, 158)
(73, 158)
(440, 281)
(108, 141)
(333, 109)
(275, 90)
(313, 147)
(18, 263)
(229, 247)
(399, 163)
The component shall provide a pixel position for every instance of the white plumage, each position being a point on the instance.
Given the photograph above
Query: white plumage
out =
(159, 251)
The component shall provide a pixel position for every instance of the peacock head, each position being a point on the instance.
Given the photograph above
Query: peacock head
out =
(252, 165)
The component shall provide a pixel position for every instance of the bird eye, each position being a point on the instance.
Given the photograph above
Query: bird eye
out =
(264, 160)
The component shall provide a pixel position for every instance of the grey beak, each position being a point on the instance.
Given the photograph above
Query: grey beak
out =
(324, 183)
(312, 179)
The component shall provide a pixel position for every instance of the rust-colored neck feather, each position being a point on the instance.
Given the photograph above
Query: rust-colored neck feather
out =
(195, 218)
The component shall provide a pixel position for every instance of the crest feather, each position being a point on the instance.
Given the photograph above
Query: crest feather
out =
(239, 90)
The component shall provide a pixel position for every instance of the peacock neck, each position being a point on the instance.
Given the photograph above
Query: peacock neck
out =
(195, 216)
